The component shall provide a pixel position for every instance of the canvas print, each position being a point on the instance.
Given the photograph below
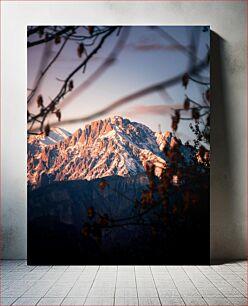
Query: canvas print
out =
(118, 145)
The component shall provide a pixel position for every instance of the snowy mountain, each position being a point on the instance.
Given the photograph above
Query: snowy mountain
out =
(114, 146)
(55, 135)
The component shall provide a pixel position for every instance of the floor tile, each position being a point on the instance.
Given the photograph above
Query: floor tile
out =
(58, 291)
(75, 268)
(126, 292)
(230, 292)
(239, 301)
(73, 301)
(149, 301)
(147, 292)
(102, 292)
(125, 269)
(123, 301)
(50, 301)
(7, 301)
(145, 283)
(189, 293)
(210, 292)
(194, 301)
(99, 301)
(38, 290)
(26, 301)
(125, 283)
(79, 291)
(164, 292)
(217, 301)
(167, 301)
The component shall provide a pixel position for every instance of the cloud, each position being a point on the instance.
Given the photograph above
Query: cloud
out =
(157, 110)
(156, 47)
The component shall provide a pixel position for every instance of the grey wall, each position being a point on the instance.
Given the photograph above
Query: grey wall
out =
(229, 105)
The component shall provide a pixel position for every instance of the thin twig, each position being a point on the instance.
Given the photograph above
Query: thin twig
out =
(101, 69)
(129, 98)
(44, 40)
(167, 36)
(64, 89)
(45, 71)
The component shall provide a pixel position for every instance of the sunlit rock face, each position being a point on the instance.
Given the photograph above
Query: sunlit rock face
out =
(109, 147)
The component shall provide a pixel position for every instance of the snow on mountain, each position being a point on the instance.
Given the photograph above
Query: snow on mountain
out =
(55, 135)
(114, 146)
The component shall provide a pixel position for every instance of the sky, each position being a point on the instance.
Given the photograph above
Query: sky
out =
(146, 58)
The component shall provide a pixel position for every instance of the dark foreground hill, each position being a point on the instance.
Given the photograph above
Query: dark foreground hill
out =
(62, 226)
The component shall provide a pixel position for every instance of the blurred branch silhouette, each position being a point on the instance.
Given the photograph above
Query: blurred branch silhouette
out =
(96, 37)
(110, 60)
(143, 92)
(42, 73)
(68, 84)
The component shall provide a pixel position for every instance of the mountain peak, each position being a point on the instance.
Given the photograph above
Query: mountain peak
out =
(102, 127)
(112, 146)
(108, 147)
(118, 120)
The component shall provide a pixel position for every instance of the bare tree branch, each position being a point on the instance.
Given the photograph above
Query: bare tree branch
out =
(31, 95)
(51, 37)
(64, 89)
(187, 51)
(138, 94)
(101, 69)
(32, 30)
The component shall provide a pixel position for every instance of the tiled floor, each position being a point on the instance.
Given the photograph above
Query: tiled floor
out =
(123, 285)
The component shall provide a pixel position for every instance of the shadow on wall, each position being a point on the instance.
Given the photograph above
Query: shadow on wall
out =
(225, 233)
